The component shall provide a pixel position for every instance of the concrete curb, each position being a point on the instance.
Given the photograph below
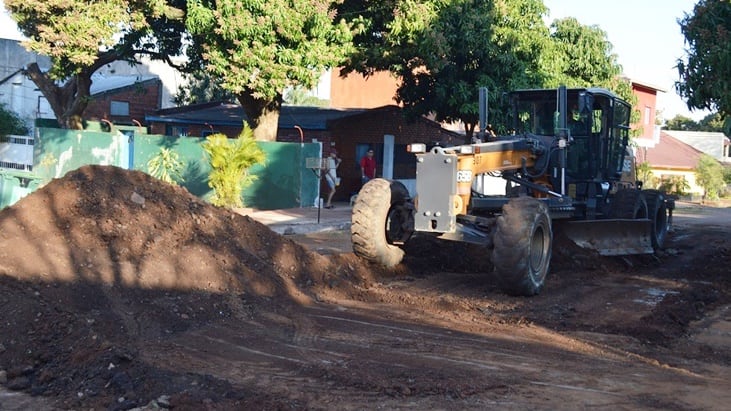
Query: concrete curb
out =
(303, 220)
(307, 228)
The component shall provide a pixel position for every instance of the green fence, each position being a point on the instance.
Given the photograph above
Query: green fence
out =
(284, 181)
(15, 185)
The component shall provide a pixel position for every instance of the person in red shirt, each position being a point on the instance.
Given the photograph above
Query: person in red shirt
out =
(367, 167)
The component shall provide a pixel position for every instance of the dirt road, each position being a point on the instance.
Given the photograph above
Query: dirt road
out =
(255, 320)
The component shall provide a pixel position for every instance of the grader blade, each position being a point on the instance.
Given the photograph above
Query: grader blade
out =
(612, 237)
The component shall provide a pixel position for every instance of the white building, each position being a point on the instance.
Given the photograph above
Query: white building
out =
(17, 92)
(20, 95)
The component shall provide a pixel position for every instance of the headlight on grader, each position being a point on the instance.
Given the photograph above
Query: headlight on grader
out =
(416, 148)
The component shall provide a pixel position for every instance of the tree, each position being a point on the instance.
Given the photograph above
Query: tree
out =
(444, 50)
(681, 123)
(704, 71)
(259, 48)
(709, 175)
(81, 36)
(201, 88)
(11, 123)
(584, 56)
(298, 96)
(645, 174)
(675, 185)
(712, 122)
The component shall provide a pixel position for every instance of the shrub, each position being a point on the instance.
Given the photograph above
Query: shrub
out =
(230, 161)
(166, 166)
(11, 123)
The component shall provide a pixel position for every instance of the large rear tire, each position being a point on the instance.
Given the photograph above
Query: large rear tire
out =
(523, 241)
(382, 220)
(657, 211)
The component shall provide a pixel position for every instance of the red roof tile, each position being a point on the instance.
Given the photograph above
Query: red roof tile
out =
(669, 152)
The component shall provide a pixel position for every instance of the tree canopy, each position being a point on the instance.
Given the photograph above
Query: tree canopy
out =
(711, 122)
(583, 56)
(704, 71)
(11, 123)
(709, 175)
(259, 48)
(444, 50)
(82, 36)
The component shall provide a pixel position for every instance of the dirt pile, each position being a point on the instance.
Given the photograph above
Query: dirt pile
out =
(95, 262)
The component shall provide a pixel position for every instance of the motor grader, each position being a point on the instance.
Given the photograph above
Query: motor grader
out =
(566, 166)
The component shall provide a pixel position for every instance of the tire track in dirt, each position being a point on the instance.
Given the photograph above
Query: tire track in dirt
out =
(356, 355)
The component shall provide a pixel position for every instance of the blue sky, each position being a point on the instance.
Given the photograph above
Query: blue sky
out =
(646, 38)
(645, 35)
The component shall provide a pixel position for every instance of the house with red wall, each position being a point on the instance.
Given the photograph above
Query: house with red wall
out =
(647, 105)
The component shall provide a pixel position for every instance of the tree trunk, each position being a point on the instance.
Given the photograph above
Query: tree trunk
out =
(262, 115)
(68, 101)
(469, 131)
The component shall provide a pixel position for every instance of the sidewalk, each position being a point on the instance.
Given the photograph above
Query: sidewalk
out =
(302, 220)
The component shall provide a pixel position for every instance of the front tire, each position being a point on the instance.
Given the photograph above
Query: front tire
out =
(381, 221)
(628, 203)
(657, 211)
(523, 241)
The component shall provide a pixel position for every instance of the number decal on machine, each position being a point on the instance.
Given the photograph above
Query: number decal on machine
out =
(464, 176)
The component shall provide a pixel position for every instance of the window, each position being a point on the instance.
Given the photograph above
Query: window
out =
(176, 131)
(119, 108)
(648, 111)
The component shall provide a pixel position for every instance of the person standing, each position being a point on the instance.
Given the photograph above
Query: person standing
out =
(331, 175)
(367, 167)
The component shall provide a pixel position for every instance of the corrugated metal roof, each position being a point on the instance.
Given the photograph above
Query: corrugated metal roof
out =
(101, 83)
(232, 114)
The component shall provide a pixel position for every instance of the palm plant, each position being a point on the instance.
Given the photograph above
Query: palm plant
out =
(166, 166)
(230, 161)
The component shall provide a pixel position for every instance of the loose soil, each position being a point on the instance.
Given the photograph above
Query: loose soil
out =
(118, 291)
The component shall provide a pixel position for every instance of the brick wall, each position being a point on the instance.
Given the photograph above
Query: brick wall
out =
(143, 98)
(369, 128)
(194, 130)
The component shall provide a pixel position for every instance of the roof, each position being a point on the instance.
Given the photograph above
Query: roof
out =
(648, 85)
(232, 114)
(101, 83)
(670, 152)
(707, 142)
(396, 110)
